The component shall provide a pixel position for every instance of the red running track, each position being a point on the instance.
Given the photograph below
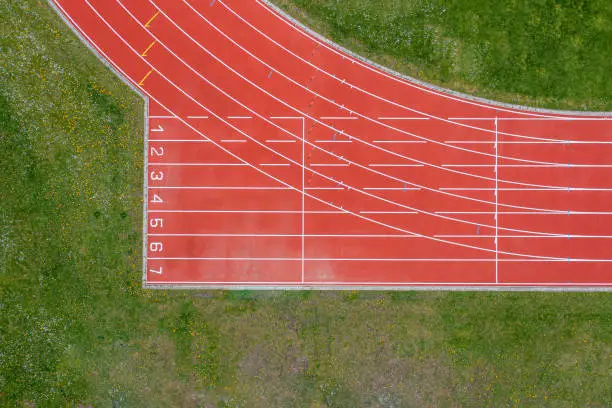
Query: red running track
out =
(276, 160)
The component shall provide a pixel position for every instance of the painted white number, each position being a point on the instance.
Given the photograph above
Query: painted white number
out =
(159, 151)
(156, 223)
(156, 247)
(157, 175)
(159, 272)
(157, 199)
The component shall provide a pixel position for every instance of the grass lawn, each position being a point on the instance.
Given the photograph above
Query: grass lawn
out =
(77, 329)
(544, 53)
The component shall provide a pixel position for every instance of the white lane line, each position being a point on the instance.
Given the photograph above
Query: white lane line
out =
(563, 166)
(564, 236)
(401, 118)
(551, 212)
(329, 165)
(310, 284)
(392, 188)
(280, 141)
(197, 117)
(233, 141)
(286, 117)
(240, 117)
(161, 117)
(562, 142)
(180, 140)
(496, 206)
(399, 141)
(382, 260)
(274, 164)
(339, 117)
(388, 212)
(333, 141)
(290, 235)
(566, 189)
(303, 196)
(535, 118)
(197, 164)
(245, 211)
(324, 188)
(394, 165)
(218, 188)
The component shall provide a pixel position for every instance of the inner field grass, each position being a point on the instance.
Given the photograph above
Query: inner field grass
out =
(77, 329)
(542, 53)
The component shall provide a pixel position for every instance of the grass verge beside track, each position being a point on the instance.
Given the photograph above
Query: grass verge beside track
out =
(544, 53)
(76, 327)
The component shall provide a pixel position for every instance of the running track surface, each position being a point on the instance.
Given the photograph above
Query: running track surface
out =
(276, 160)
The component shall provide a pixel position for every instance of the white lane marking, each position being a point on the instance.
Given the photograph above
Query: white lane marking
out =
(399, 141)
(280, 141)
(338, 118)
(551, 212)
(196, 164)
(388, 212)
(394, 165)
(392, 188)
(563, 166)
(161, 117)
(180, 140)
(566, 189)
(274, 164)
(333, 141)
(159, 128)
(240, 117)
(233, 141)
(381, 260)
(197, 117)
(401, 118)
(535, 118)
(564, 236)
(219, 188)
(245, 211)
(290, 235)
(562, 142)
(329, 165)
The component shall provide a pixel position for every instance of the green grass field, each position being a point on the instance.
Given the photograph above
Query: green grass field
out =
(77, 329)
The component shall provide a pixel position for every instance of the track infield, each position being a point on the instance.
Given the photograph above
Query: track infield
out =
(275, 160)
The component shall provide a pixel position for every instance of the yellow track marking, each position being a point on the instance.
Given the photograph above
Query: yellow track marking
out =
(144, 54)
(144, 78)
(150, 20)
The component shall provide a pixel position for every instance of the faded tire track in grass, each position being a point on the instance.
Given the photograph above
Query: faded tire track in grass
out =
(76, 327)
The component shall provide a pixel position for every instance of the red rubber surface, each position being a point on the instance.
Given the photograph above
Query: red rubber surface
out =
(284, 162)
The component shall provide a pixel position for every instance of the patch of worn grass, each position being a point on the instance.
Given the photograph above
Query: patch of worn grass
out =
(544, 53)
(76, 327)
